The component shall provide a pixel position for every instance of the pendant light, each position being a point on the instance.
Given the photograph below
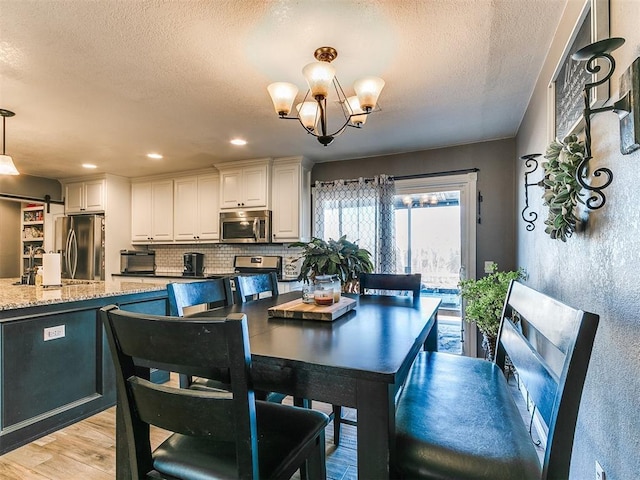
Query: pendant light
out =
(6, 162)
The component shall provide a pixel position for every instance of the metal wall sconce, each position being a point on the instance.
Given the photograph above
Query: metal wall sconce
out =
(531, 163)
(627, 108)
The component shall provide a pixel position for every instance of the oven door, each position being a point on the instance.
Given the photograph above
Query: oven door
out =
(248, 229)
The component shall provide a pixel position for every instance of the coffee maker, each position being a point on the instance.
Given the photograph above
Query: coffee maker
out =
(193, 264)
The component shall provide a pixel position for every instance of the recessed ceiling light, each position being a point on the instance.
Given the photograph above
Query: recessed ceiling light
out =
(238, 141)
(89, 165)
(155, 156)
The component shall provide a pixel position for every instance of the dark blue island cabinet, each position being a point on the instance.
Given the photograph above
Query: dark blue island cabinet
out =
(55, 365)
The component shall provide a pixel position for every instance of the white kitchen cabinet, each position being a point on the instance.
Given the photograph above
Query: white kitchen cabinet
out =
(85, 197)
(196, 208)
(291, 200)
(152, 211)
(245, 186)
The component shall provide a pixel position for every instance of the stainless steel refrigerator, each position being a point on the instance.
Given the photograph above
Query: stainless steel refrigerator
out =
(80, 241)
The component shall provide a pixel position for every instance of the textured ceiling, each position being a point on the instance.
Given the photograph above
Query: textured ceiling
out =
(108, 81)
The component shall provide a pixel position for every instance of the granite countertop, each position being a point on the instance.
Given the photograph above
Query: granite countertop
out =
(14, 296)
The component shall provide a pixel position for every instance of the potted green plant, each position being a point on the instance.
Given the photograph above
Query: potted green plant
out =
(340, 257)
(485, 299)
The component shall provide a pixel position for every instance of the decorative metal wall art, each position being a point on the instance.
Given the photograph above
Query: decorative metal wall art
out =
(531, 164)
(623, 107)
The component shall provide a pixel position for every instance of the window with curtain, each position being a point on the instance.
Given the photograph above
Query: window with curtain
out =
(361, 209)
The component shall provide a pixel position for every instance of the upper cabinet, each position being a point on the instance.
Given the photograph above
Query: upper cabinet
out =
(245, 185)
(152, 211)
(196, 201)
(291, 200)
(85, 197)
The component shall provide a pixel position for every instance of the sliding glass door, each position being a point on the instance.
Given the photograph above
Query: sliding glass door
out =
(435, 236)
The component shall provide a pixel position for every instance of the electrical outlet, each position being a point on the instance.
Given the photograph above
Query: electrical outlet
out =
(600, 472)
(52, 333)
(488, 266)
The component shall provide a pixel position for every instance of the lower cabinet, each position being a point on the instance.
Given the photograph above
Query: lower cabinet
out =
(55, 365)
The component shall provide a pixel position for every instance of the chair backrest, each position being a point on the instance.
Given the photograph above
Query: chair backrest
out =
(549, 344)
(252, 285)
(393, 282)
(215, 293)
(186, 346)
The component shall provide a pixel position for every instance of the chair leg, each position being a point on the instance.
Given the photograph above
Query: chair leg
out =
(302, 402)
(337, 417)
(315, 467)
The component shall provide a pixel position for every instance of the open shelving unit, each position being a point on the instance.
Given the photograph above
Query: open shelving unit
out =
(32, 232)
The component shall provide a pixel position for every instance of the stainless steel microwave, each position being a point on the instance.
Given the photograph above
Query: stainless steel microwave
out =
(245, 226)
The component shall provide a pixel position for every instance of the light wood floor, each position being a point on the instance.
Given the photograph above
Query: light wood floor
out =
(86, 451)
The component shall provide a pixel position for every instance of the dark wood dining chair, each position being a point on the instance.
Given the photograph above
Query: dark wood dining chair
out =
(390, 282)
(230, 435)
(212, 293)
(249, 287)
(383, 283)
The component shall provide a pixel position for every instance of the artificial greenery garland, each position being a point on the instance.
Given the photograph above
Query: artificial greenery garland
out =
(561, 189)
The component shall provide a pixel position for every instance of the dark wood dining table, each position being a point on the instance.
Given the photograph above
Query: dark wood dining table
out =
(359, 360)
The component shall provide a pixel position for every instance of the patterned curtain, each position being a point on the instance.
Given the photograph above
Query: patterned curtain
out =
(362, 210)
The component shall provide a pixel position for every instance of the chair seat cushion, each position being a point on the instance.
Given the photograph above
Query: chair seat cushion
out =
(456, 419)
(281, 429)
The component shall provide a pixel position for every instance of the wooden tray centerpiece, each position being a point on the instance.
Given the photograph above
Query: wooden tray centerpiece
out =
(311, 311)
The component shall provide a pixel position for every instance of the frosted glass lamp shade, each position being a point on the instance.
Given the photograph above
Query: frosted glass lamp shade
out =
(368, 90)
(308, 114)
(7, 167)
(282, 95)
(354, 104)
(319, 76)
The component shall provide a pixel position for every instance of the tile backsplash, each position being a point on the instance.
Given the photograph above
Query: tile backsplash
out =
(218, 257)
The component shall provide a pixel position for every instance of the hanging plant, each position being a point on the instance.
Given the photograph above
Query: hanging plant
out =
(562, 191)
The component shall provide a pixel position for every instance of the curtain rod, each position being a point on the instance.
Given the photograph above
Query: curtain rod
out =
(407, 177)
(22, 198)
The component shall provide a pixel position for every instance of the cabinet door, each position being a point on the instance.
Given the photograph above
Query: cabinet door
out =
(255, 186)
(74, 197)
(185, 201)
(94, 196)
(208, 207)
(231, 189)
(141, 212)
(162, 210)
(286, 203)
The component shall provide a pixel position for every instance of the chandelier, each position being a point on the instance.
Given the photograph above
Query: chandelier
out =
(312, 111)
(6, 162)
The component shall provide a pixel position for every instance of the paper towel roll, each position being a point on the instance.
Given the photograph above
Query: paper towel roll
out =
(51, 267)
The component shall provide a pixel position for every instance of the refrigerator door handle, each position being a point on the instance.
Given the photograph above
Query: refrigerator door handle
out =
(74, 254)
(67, 253)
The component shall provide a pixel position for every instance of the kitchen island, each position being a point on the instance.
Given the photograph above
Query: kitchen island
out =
(55, 366)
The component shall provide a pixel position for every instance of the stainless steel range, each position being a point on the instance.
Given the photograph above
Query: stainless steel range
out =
(246, 264)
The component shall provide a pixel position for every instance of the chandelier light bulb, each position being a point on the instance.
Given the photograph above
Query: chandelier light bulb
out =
(354, 104)
(319, 76)
(308, 113)
(283, 95)
(368, 90)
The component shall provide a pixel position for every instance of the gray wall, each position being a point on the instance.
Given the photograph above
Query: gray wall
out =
(9, 239)
(30, 186)
(596, 270)
(495, 239)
